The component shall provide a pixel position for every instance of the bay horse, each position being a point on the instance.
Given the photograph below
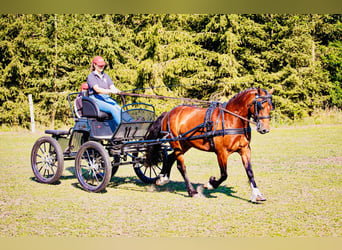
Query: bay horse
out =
(224, 131)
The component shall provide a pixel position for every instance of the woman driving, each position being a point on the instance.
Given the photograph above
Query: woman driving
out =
(100, 86)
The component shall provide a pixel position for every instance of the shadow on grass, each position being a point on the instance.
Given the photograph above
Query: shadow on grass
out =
(32, 178)
(63, 177)
(175, 187)
(78, 186)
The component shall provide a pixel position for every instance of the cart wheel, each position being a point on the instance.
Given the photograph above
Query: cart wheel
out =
(148, 174)
(47, 160)
(92, 167)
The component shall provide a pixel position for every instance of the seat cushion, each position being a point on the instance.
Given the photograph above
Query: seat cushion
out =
(91, 110)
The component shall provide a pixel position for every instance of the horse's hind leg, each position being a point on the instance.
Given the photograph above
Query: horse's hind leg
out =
(222, 158)
(182, 169)
(164, 176)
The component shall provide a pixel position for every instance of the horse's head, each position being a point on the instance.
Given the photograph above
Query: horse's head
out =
(260, 109)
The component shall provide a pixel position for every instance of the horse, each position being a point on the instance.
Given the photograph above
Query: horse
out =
(223, 130)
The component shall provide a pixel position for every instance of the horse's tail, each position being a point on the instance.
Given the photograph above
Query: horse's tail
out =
(153, 152)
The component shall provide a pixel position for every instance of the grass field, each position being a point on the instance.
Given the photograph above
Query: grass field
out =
(298, 169)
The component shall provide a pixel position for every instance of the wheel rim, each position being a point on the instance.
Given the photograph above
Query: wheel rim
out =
(46, 160)
(92, 168)
(150, 172)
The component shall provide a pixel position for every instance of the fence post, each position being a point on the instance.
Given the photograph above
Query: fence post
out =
(33, 129)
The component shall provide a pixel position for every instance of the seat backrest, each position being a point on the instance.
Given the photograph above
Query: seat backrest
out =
(91, 110)
(78, 106)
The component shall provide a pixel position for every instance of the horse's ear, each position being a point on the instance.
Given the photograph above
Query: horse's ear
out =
(271, 91)
(259, 91)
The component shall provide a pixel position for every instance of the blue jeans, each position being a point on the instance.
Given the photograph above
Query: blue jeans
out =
(108, 105)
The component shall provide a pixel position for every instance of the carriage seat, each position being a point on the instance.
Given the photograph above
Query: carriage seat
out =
(91, 110)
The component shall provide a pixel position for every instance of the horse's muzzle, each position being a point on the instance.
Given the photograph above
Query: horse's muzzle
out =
(262, 129)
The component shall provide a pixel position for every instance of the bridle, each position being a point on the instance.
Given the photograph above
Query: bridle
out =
(258, 107)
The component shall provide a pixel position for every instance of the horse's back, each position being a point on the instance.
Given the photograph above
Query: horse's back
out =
(186, 117)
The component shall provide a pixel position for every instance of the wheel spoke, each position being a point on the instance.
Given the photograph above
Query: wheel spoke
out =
(41, 150)
(51, 168)
(86, 174)
(39, 170)
(95, 177)
(154, 171)
(48, 171)
(88, 156)
(150, 172)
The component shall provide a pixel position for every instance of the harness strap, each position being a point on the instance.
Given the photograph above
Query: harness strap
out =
(221, 132)
(209, 133)
(264, 117)
(208, 123)
(233, 131)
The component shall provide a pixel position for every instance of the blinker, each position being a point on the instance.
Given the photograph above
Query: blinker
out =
(259, 105)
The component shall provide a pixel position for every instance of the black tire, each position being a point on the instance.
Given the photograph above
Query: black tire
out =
(93, 167)
(149, 174)
(47, 160)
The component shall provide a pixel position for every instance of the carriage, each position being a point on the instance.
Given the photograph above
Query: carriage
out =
(97, 145)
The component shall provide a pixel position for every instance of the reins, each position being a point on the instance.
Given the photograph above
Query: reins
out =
(238, 116)
(189, 100)
(165, 97)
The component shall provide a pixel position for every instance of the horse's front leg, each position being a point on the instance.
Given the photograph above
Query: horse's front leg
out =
(246, 160)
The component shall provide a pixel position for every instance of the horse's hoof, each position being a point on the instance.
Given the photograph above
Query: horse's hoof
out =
(198, 195)
(208, 186)
(260, 198)
(257, 196)
(162, 181)
(195, 194)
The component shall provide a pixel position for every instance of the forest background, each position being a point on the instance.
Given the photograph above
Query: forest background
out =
(208, 57)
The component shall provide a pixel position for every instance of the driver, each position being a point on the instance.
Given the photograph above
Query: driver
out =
(100, 86)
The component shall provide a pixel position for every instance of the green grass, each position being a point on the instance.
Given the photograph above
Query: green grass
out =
(298, 169)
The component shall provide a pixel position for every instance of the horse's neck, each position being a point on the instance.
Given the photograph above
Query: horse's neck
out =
(240, 104)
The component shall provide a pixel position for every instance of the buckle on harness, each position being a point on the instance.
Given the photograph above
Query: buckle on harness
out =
(209, 126)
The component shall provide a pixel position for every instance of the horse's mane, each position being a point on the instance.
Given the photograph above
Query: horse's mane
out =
(242, 93)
